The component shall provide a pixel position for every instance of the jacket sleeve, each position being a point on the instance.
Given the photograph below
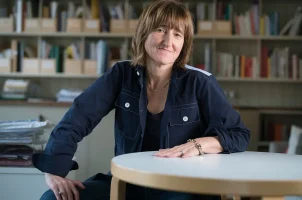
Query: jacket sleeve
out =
(85, 113)
(221, 119)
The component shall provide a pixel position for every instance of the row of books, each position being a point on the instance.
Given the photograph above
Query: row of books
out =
(278, 63)
(244, 23)
(247, 23)
(228, 65)
(275, 131)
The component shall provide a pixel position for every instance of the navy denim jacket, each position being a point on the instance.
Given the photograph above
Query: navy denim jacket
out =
(196, 107)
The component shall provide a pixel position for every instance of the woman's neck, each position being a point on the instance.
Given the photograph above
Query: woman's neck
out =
(157, 75)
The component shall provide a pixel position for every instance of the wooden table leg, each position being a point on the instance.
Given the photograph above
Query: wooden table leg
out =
(118, 189)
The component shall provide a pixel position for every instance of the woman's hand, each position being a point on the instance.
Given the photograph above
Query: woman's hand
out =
(63, 188)
(208, 144)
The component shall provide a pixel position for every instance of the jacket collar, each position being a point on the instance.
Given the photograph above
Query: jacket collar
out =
(177, 73)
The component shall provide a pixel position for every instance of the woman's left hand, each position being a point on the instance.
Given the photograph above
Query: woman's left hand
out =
(185, 150)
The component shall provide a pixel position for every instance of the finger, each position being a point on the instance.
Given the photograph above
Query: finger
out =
(161, 151)
(67, 191)
(166, 152)
(55, 190)
(74, 190)
(58, 196)
(176, 151)
(78, 184)
(176, 154)
(63, 192)
(191, 152)
(179, 152)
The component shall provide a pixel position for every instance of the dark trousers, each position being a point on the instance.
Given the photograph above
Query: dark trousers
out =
(98, 188)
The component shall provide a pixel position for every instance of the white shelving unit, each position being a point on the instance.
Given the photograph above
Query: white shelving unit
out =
(262, 92)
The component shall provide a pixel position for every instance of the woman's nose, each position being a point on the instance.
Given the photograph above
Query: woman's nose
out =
(168, 38)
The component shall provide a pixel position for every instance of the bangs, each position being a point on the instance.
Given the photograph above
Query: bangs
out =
(169, 15)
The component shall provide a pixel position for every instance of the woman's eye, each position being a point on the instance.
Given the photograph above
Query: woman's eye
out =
(160, 30)
(177, 35)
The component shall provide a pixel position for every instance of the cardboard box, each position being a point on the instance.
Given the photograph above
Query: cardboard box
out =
(223, 28)
(118, 26)
(6, 24)
(5, 65)
(132, 25)
(48, 66)
(72, 66)
(30, 66)
(92, 26)
(205, 28)
(48, 25)
(90, 67)
(32, 25)
(74, 25)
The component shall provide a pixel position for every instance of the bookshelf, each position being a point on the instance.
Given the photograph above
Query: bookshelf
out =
(281, 93)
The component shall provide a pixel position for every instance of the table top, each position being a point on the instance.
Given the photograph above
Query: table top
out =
(245, 173)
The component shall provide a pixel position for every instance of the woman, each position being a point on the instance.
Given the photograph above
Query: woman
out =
(160, 103)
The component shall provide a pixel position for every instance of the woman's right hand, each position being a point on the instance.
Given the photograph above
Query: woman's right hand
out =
(63, 188)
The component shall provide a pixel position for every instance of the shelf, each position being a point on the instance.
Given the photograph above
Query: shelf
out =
(266, 80)
(129, 35)
(64, 34)
(281, 38)
(58, 75)
(34, 103)
(226, 37)
(89, 35)
(281, 112)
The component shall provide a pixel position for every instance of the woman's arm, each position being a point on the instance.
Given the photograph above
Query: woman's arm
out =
(85, 113)
(225, 131)
(222, 121)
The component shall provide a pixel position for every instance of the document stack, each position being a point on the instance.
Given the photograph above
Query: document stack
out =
(15, 89)
(19, 140)
(68, 95)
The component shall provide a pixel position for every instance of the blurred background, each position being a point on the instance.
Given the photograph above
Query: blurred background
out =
(50, 51)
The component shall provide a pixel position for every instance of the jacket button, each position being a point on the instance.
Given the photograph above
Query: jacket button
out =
(137, 73)
(127, 105)
(185, 118)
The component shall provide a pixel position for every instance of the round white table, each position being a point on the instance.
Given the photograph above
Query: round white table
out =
(243, 174)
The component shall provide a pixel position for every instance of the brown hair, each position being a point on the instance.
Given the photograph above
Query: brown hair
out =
(170, 12)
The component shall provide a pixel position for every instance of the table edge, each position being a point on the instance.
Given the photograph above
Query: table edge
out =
(206, 186)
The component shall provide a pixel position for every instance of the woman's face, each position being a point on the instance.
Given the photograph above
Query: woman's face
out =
(164, 45)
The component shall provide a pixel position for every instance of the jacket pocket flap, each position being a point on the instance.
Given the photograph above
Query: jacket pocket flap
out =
(185, 116)
(128, 103)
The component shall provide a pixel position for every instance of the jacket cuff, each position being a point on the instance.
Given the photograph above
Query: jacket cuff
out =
(219, 132)
(223, 142)
(57, 165)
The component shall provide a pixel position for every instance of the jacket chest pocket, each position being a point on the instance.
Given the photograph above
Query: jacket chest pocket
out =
(127, 115)
(184, 116)
(184, 124)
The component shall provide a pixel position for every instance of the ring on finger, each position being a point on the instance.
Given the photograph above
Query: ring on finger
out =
(182, 153)
(60, 192)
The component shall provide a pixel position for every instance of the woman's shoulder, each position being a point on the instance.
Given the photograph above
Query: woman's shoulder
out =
(191, 72)
(125, 65)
